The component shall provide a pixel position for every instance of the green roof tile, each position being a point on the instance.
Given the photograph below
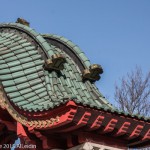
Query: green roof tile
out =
(32, 88)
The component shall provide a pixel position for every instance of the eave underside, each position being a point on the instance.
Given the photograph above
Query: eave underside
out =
(77, 125)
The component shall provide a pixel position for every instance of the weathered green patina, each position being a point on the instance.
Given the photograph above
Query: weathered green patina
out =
(29, 85)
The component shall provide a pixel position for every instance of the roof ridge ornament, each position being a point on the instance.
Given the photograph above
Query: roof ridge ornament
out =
(23, 21)
(93, 73)
(56, 62)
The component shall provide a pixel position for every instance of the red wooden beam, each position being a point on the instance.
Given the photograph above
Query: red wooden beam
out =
(43, 138)
(70, 141)
(21, 133)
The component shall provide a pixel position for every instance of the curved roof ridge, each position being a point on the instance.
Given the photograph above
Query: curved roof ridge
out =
(75, 48)
(85, 62)
(24, 72)
(31, 32)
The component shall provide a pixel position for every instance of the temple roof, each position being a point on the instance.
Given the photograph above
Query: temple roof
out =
(29, 85)
(50, 77)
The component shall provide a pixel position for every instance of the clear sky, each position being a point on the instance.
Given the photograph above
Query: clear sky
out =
(113, 33)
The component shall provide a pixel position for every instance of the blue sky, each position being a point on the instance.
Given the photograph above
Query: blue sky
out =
(113, 33)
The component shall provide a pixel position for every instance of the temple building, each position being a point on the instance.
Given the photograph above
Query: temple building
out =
(48, 97)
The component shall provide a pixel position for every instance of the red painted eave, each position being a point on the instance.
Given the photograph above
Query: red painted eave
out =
(76, 117)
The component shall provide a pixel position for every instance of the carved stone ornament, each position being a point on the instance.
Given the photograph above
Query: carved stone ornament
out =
(93, 73)
(56, 62)
(23, 21)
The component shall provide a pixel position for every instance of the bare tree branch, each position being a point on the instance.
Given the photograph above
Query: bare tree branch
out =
(133, 95)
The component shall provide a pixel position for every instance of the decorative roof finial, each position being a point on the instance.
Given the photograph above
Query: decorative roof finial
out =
(93, 73)
(23, 21)
(56, 62)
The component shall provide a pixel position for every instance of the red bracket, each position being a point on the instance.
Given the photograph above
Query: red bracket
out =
(97, 123)
(136, 132)
(82, 122)
(124, 128)
(111, 126)
(84, 119)
(146, 136)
